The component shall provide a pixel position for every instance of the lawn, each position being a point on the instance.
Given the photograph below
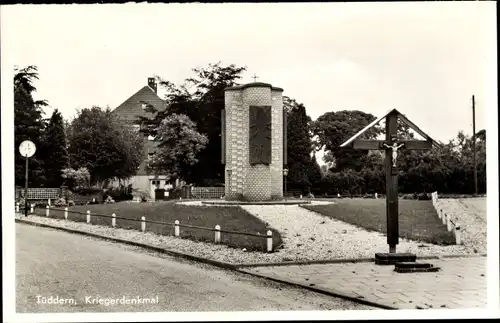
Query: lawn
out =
(229, 218)
(418, 220)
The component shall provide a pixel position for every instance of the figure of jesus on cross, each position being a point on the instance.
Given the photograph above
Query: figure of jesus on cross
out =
(255, 77)
(394, 148)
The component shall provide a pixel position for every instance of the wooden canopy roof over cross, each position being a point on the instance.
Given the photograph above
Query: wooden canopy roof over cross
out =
(356, 143)
(391, 144)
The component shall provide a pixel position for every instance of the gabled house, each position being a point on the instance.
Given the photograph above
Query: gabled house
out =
(128, 112)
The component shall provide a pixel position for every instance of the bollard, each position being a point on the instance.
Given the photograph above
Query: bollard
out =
(47, 211)
(65, 213)
(48, 202)
(176, 228)
(376, 196)
(217, 233)
(269, 241)
(143, 223)
(88, 216)
(300, 195)
(457, 234)
(32, 208)
(17, 207)
(113, 220)
(440, 214)
(448, 222)
(443, 217)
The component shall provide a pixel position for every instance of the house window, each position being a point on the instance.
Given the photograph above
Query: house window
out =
(136, 127)
(144, 106)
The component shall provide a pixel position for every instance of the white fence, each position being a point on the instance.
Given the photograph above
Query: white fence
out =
(207, 192)
(451, 224)
(40, 193)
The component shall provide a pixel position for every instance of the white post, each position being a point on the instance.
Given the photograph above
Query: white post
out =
(269, 241)
(457, 234)
(47, 211)
(48, 202)
(17, 207)
(176, 228)
(113, 220)
(448, 222)
(88, 216)
(440, 213)
(217, 233)
(143, 224)
(300, 195)
(443, 217)
(65, 213)
(32, 208)
(376, 196)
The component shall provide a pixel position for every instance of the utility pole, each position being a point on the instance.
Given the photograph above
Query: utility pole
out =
(474, 143)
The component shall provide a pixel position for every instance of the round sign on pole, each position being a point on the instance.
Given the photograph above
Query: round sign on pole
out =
(27, 148)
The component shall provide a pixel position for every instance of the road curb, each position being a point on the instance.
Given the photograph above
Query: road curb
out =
(303, 263)
(136, 244)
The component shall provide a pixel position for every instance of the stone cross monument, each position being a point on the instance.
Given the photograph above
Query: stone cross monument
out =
(253, 142)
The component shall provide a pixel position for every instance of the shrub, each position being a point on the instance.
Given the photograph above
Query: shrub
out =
(60, 202)
(122, 193)
(109, 200)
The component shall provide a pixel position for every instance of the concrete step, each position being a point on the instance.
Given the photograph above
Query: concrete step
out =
(393, 258)
(412, 267)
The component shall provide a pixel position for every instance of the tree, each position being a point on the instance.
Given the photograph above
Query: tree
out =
(315, 174)
(28, 125)
(299, 146)
(101, 143)
(179, 144)
(334, 128)
(54, 150)
(201, 99)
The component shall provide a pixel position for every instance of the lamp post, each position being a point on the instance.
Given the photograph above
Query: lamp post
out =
(27, 149)
(285, 174)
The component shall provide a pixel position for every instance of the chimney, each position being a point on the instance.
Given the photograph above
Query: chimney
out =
(152, 84)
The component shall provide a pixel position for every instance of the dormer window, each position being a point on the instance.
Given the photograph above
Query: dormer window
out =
(144, 106)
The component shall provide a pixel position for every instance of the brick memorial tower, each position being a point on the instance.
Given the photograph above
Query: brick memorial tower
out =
(253, 142)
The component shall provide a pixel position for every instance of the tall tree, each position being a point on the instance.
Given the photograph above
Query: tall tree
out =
(179, 144)
(99, 142)
(333, 128)
(28, 125)
(201, 98)
(299, 146)
(54, 150)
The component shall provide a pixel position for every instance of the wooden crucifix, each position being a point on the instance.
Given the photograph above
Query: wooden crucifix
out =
(391, 145)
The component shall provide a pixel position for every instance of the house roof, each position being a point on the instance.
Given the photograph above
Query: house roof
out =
(131, 109)
(402, 118)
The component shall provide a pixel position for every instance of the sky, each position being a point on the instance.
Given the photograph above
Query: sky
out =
(425, 59)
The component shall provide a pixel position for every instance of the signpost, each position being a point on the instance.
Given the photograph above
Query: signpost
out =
(391, 145)
(27, 149)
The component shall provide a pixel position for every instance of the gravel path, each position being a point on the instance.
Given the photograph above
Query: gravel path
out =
(471, 215)
(306, 236)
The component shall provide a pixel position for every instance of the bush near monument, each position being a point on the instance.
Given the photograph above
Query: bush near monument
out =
(417, 219)
(229, 218)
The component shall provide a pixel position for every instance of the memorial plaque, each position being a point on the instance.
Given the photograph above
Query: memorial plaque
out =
(260, 135)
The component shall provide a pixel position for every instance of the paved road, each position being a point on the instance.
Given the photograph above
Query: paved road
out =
(79, 270)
